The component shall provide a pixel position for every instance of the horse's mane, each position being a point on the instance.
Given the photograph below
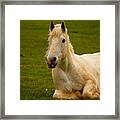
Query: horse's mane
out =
(71, 48)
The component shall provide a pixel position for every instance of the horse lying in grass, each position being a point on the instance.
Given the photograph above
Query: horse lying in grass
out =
(74, 76)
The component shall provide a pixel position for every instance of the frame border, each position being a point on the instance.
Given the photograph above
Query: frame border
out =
(69, 2)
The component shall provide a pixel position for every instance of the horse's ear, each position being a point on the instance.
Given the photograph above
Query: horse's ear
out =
(51, 27)
(63, 26)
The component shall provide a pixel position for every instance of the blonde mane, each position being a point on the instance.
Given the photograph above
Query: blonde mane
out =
(71, 48)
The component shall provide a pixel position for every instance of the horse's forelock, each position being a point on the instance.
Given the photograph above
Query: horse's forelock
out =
(58, 26)
(55, 33)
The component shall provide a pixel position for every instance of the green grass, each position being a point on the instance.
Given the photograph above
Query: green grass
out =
(35, 77)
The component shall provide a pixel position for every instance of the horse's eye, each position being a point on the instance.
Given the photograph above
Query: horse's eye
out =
(63, 41)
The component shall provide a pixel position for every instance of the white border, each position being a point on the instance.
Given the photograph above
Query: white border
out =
(13, 15)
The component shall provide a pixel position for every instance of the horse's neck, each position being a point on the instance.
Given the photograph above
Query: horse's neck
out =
(66, 61)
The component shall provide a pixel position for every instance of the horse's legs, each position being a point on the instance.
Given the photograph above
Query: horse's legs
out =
(60, 94)
(90, 90)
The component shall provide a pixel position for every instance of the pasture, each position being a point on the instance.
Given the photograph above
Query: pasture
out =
(35, 77)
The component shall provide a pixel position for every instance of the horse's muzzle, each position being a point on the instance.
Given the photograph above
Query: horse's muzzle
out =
(51, 62)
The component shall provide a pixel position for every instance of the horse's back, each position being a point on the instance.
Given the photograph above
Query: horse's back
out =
(91, 58)
(91, 62)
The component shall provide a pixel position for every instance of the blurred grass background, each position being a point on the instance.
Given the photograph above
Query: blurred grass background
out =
(35, 77)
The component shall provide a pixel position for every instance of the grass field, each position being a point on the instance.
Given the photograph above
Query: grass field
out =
(35, 77)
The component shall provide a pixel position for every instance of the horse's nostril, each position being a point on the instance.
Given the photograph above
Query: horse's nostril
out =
(54, 59)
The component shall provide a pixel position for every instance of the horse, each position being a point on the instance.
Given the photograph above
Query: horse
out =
(74, 76)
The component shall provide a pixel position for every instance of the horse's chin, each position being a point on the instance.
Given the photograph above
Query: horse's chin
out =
(52, 66)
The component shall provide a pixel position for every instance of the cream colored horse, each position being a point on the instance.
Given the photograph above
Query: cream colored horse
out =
(74, 76)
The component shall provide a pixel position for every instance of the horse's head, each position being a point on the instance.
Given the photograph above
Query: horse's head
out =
(58, 41)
